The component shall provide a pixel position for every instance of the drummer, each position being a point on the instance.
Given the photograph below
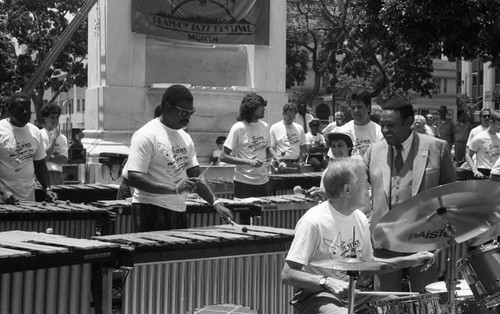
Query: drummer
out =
(334, 230)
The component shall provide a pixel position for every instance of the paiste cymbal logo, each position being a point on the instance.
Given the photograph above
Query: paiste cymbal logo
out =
(432, 234)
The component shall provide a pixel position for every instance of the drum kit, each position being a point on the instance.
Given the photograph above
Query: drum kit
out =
(434, 220)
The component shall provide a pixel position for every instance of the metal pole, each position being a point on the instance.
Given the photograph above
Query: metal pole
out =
(59, 46)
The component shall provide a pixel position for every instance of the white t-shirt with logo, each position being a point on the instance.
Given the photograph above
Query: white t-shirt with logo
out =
(288, 139)
(323, 233)
(249, 141)
(61, 147)
(19, 147)
(363, 136)
(165, 154)
(487, 148)
(315, 141)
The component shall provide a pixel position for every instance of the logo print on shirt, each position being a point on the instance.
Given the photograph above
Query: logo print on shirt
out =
(341, 249)
(21, 155)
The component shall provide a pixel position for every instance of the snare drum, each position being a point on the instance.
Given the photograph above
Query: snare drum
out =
(414, 304)
(481, 271)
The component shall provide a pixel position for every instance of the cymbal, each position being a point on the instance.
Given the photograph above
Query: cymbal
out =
(349, 264)
(418, 224)
(486, 236)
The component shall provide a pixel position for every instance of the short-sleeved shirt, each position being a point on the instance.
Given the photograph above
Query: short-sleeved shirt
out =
(61, 148)
(19, 147)
(487, 148)
(323, 233)
(315, 141)
(249, 141)
(165, 154)
(288, 139)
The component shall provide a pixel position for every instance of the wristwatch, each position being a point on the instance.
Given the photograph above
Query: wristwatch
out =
(322, 282)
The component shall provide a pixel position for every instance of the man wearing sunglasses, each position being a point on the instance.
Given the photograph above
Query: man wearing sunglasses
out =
(485, 123)
(163, 168)
(486, 147)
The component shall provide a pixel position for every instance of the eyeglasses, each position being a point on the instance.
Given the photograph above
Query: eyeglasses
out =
(486, 116)
(184, 113)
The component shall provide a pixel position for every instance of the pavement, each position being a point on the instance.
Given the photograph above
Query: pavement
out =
(225, 309)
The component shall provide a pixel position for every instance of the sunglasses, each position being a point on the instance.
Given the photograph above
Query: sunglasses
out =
(486, 116)
(184, 113)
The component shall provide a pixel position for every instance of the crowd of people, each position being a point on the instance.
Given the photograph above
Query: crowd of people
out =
(370, 165)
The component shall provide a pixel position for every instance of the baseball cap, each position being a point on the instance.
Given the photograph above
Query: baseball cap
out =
(346, 136)
(443, 108)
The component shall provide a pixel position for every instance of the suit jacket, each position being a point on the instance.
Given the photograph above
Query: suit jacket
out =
(432, 166)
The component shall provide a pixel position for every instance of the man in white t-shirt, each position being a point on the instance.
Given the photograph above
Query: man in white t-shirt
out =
(162, 167)
(288, 141)
(486, 147)
(56, 144)
(363, 130)
(22, 154)
(248, 147)
(338, 122)
(334, 230)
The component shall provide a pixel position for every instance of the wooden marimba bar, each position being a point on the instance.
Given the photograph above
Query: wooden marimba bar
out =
(81, 193)
(46, 274)
(64, 218)
(178, 271)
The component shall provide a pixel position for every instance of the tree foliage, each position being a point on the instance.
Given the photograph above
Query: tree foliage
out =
(36, 26)
(387, 46)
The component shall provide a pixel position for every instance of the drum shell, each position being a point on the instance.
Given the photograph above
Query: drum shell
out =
(480, 269)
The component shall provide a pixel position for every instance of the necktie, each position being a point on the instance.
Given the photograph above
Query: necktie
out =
(398, 160)
(305, 124)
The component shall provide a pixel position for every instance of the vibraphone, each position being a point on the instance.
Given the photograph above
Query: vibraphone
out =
(81, 193)
(50, 274)
(65, 218)
(180, 270)
(284, 183)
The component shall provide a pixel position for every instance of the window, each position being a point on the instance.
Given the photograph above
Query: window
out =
(445, 87)
(78, 105)
(437, 85)
(83, 105)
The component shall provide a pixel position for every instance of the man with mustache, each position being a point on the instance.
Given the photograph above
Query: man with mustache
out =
(163, 168)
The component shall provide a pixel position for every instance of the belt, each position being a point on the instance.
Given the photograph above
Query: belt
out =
(290, 160)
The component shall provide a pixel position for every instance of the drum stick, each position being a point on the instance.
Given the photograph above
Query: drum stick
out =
(205, 171)
(243, 228)
(384, 293)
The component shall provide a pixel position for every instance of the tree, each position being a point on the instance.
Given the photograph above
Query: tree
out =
(36, 26)
(390, 44)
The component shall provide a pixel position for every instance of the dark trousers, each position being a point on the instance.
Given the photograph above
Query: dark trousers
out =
(243, 190)
(148, 217)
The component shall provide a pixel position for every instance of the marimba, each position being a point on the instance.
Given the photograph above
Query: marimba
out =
(284, 183)
(281, 211)
(65, 218)
(44, 273)
(274, 211)
(81, 193)
(180, 270)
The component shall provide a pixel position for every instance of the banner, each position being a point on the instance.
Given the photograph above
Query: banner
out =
(204, 21)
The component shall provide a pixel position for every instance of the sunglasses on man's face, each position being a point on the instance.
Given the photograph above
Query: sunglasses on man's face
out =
(486, 116)
(184, 112)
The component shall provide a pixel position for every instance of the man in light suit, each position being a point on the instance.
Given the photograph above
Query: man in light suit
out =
(401, 166)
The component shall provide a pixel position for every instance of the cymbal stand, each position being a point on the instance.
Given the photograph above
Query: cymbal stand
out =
(353, 278)
(451, 280)
(353, 275)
